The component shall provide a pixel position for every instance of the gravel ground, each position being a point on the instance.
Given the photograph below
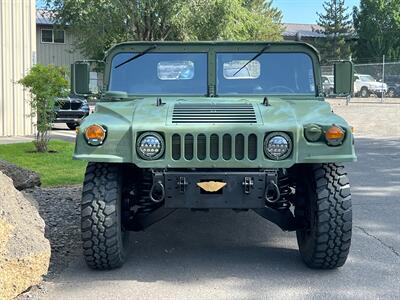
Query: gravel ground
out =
(60, 209)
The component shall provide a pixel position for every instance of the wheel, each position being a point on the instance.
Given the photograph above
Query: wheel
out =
(324, 200)
(364, 92)
(72, 126)
(104, 239)
(391, 93)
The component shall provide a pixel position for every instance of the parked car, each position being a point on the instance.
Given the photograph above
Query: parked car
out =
(393, 82)
(365, 85)
(70, 110)
(328, 83)
(218, 138)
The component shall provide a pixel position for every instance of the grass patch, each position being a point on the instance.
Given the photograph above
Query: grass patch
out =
(56, 168)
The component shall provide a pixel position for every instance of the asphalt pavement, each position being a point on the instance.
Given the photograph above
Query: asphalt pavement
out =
(228, 255)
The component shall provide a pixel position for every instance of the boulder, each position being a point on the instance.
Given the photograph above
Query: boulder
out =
(24, 251)
(22, 178)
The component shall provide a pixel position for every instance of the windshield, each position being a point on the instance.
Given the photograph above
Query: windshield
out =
(270, 73)
(160, 73)
(366, 78)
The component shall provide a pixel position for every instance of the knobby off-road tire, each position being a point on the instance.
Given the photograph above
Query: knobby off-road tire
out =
(324, 193)
(104, 239)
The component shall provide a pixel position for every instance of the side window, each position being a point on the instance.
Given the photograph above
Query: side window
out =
(47, 35)
(59, 36)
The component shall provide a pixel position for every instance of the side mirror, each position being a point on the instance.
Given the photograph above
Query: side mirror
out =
(87, 77)
(343, 72)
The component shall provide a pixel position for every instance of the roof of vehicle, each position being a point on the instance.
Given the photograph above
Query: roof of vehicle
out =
(214, 43)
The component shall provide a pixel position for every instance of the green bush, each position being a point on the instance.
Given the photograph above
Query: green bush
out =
(45, 83)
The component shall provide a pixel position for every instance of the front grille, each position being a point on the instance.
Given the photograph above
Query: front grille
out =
(76, 105)
(63, 104)
(214, 113)
(214, 146)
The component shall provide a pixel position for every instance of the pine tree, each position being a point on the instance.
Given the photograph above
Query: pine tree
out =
(337, 28)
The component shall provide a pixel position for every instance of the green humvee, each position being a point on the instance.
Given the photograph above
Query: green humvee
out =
(208, 125)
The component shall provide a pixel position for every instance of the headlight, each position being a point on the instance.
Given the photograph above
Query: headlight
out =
(95, 135)
(277, 145)
(150, 146)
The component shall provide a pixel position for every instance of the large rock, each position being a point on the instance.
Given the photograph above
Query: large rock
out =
(22, 178)
(24, 251)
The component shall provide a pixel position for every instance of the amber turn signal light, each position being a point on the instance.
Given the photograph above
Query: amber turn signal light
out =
(334, 135)
(95, 134)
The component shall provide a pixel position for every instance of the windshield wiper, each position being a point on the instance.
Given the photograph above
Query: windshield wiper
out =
(255, 57)
(136, 56)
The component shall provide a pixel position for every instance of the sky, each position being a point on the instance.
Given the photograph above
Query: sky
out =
(294, 11)
(305, 11)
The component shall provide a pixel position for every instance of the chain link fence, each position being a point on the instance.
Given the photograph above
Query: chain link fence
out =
(372, 81)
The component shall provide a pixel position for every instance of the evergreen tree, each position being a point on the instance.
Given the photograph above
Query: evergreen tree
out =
(377, 24)
(337, 28)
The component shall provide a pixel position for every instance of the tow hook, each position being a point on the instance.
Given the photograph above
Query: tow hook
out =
(157, 192)
(272, 193)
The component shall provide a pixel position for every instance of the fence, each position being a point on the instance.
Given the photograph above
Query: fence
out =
(372, 79)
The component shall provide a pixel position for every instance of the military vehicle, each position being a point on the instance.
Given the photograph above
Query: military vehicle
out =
(215, 125)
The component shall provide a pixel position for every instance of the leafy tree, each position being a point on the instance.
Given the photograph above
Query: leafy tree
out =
(45, 83)
(337, 27)
(377, 24)
(98, 24)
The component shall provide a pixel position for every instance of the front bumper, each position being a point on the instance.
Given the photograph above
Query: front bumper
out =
(69, 116)
(243, 190)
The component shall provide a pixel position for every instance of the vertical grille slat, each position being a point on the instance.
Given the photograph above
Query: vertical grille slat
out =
(239, 146)
(214, 147)
(176, 147)
(189, 147)
(214, 113)
(201, 147)
(227, 147)
(252, 147)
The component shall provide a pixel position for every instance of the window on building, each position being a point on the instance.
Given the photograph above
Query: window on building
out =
(58, 36)
(47, 36)
(53, 36)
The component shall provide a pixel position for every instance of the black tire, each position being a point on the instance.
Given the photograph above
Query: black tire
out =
(364, 92)
(391, 93)
(325, 199)
(72, 126)
(103, 237)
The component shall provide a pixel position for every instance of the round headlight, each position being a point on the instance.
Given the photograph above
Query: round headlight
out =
(150, 145)
(277, 145)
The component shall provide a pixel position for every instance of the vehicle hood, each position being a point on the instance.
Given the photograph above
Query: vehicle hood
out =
(233, 112)
(376, 84)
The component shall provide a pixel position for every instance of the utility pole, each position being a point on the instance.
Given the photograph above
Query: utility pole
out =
(383, 77)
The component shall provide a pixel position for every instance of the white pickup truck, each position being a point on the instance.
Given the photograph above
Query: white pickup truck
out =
(365, 85)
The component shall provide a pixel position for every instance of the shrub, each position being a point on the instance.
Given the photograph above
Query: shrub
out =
(45, 83)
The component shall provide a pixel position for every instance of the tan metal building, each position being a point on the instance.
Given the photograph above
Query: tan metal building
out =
(17, 55)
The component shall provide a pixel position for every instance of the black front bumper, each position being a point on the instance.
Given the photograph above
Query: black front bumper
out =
(243, 190)
(69, 116)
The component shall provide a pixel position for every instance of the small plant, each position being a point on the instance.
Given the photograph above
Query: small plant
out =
(45, 83)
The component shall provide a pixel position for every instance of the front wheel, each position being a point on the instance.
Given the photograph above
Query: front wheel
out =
(324, 200)
(364, 93)
(72, 126)
(103, 237)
